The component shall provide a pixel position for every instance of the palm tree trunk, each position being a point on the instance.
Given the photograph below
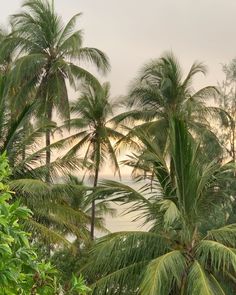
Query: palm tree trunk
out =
(24, 136)
(172, 171)
(93, 214)
(233, 143)
(48, 155)
(97, 163)
(23, 153)
(48, 142)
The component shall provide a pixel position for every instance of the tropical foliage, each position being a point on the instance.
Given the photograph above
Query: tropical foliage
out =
(50, 52)
(183, 252)
(60, 129)
(161, 91)
(21, 271)
(96, 129)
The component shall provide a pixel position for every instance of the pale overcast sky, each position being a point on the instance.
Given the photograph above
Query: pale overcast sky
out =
(133, 31)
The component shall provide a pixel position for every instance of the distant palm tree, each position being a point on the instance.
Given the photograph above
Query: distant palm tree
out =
(186, 250)
(51, 52)
(96, 130)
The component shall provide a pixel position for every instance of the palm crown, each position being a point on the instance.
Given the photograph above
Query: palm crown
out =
(94, 111)
(50, 52)
(161, 91)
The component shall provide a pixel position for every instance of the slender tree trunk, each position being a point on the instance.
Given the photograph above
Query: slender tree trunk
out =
(24, 136)
(93, 214)
(48, 158)
(233, 146)
(97, 163)
(23, 153)
(233, 143)
(48, 155)
(48, 142)
(233, 128)
(172, 171)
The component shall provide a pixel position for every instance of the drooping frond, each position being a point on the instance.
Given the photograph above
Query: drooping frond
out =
(120, 252)
(163, 273)
(46, 234)
(219, 256)
(225, 235)
(200, 282)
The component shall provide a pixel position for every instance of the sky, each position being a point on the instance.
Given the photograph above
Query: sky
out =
(131, 32)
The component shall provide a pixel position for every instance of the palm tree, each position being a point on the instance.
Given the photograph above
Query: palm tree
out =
(53, 214)
(80, 200)
(50, 203)
(95, 130)
(60, 210)
(50, 53)
(184, 251)
(160, 91)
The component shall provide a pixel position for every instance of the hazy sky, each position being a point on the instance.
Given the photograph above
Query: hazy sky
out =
(133, 31)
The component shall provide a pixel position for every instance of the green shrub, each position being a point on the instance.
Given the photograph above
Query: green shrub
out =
(20, 271)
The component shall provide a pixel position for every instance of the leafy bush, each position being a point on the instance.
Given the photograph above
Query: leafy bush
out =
(21, 273)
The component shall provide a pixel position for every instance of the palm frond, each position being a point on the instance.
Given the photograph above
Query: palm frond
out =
(163, 273)
(199, 281)
(220, 256)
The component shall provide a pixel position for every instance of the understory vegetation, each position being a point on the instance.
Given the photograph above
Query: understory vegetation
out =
(178, 143)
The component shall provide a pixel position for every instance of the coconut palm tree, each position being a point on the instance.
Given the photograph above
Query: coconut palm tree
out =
(96, 130)
(51, 203)
(54, 217)
(60, 210)
(51, 55)
(186, 249)
(47, 202)
(161, 91)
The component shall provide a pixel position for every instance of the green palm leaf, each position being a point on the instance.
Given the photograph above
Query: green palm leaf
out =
(163, 273)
